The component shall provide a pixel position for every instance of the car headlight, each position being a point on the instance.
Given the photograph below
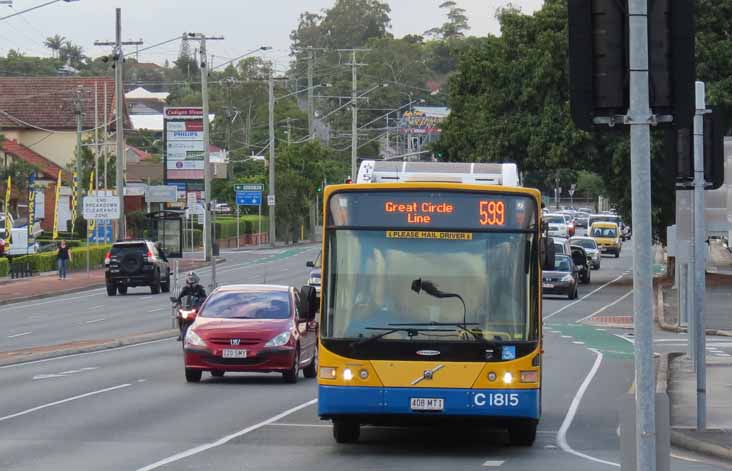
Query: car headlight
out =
(314, 281)
(279, 340)
(567, 278)
(193, 339)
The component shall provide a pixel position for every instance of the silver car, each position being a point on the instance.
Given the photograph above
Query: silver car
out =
(590, 246)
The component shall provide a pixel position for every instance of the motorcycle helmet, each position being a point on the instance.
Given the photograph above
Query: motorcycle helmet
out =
(192, 279)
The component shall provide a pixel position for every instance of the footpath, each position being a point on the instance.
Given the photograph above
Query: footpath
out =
(47, 284)
(679, 377)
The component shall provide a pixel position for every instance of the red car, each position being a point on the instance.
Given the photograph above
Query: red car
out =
(254, 328)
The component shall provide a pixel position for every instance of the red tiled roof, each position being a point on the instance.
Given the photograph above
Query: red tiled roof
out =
(45, 166)
(48, 102)
(139, 152)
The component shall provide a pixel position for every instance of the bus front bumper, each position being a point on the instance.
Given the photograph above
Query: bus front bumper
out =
(335, 401)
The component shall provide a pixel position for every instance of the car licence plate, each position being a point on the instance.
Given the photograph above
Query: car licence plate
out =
(423, 403)
(548, 285)
(233, 353)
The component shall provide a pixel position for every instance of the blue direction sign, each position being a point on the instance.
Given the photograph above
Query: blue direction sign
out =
(249, 198)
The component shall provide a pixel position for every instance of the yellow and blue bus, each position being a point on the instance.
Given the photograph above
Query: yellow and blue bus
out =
(431, 299)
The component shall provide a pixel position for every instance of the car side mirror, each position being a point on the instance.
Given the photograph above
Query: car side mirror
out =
(310, 264)
(308, 303)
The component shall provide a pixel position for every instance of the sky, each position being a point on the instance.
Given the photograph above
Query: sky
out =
(244, 24)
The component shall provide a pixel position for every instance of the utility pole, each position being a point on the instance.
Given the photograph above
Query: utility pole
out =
(106, 138)
(119, 125)
(208, 246)
(311, 104)
(272, 144)
(96, 135)
(354, 117)
(697, 262)
(79, 112)
(639, 118)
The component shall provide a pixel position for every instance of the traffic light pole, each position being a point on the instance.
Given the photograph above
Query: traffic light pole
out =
(639, 118)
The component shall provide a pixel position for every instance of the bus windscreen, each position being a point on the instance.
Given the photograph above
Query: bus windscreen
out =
(432, 209)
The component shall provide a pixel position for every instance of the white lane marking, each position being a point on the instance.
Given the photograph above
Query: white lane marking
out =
(71, 355)
(566, 336)
(723, 355)
(578, 343)
(222, 441)
(63, 401)
(19, 335)
(94, 321)
(602, 309)
(64, 374)
(685, 458)
(567, 306)
(625, 338)
(562, 434)
(493, 463)
(158, 309)
(96, 307)
(283, 424)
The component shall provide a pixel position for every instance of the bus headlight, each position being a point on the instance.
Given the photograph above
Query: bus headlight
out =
(347, 374)
(507, 378)
(327, 372)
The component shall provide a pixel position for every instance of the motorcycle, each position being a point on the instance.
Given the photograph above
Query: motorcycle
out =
(186, 312)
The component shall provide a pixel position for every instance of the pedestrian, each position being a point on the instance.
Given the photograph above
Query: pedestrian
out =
(63, 256)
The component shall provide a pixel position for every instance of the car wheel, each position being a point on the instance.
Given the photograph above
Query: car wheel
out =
(570, 294)
(522, 434)
(576, 293)
(193, 376)
(346, 431)
(122, 289)
(165, 286)
(617, 253)
(311, 371)
(217, 373)
(155, 284)
(111, 290)
(293, 373)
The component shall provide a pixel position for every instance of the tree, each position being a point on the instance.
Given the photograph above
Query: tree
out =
(55, 43)
(455, 26)
(72, 54)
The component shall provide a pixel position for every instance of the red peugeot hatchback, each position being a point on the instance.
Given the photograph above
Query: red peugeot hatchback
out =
(254, 328)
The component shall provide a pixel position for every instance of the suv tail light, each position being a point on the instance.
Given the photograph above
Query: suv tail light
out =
(149, 256)
(107, 258)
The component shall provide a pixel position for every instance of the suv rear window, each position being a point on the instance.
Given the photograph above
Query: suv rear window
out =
(124, 249)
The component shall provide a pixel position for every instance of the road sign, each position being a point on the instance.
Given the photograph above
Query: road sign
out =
(197, 209)
(101, 207)
(270, 200)
(161, 194)
(248, 187)
(248, 198)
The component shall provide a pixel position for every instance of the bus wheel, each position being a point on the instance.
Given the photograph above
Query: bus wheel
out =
(522, 434)
(346, 431)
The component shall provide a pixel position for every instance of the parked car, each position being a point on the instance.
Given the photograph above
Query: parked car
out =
(590, 246)
(607, 236)
(562, 280)
(582, 261)
(254, 328)
(222, 208)
(136, 263)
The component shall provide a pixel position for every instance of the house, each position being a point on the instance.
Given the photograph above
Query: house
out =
(38, 122)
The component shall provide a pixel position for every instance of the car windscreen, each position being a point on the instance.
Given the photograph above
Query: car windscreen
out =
(554, 219)
(558, 248)
(604, 232)
(248, 305)
(584, 243)
(129, 248)
(561, 263)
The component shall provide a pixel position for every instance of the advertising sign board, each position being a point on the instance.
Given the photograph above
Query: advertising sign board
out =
(101, 207)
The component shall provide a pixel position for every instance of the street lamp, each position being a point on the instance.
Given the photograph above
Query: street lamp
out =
(9, 2)
(248, 53)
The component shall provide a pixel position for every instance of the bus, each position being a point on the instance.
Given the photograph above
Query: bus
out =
(431, 299)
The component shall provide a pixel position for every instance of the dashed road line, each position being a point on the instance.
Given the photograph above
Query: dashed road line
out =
(94, 321)
(567, 306)
(22, 334)
(493, 463)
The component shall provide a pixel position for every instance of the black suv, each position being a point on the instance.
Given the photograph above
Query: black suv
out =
(136, 263)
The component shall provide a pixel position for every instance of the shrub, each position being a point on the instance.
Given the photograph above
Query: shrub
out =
(43, 262)
(4, 267)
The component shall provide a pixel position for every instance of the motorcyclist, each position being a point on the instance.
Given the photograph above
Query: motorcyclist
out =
(192, 288)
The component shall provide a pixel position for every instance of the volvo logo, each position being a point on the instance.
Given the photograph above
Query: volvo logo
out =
(428, 374)
(428, 353)
(235, 341)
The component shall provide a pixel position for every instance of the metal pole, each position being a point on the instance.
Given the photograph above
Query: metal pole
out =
(79, 115)
(259, 231)
(120, 126)
(272, 144)
(698, 254)
(237, 226)
(106, 137)
(311, 108)
(354, 117)
(96, 135)
(640, 156)
(207, 250)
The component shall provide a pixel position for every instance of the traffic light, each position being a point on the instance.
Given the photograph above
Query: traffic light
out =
(598, 59)
(319, 189)
(679, 145)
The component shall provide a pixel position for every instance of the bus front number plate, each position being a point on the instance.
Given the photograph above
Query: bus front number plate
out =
(427, 404)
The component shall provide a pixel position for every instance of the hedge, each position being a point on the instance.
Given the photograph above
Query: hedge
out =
(226, 226)
(43, 262)
(4, 267)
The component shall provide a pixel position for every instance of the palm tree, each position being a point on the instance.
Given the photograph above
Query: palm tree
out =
(55, 43)
(71, 54)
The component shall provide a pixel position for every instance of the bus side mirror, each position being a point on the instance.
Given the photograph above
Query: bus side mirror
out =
(309, 303)
(547, 253)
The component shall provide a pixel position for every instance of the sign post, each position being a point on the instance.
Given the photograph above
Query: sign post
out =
(248, 194)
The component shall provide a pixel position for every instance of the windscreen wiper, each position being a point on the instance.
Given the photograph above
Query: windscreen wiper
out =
(411, 332)
(462, 326)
